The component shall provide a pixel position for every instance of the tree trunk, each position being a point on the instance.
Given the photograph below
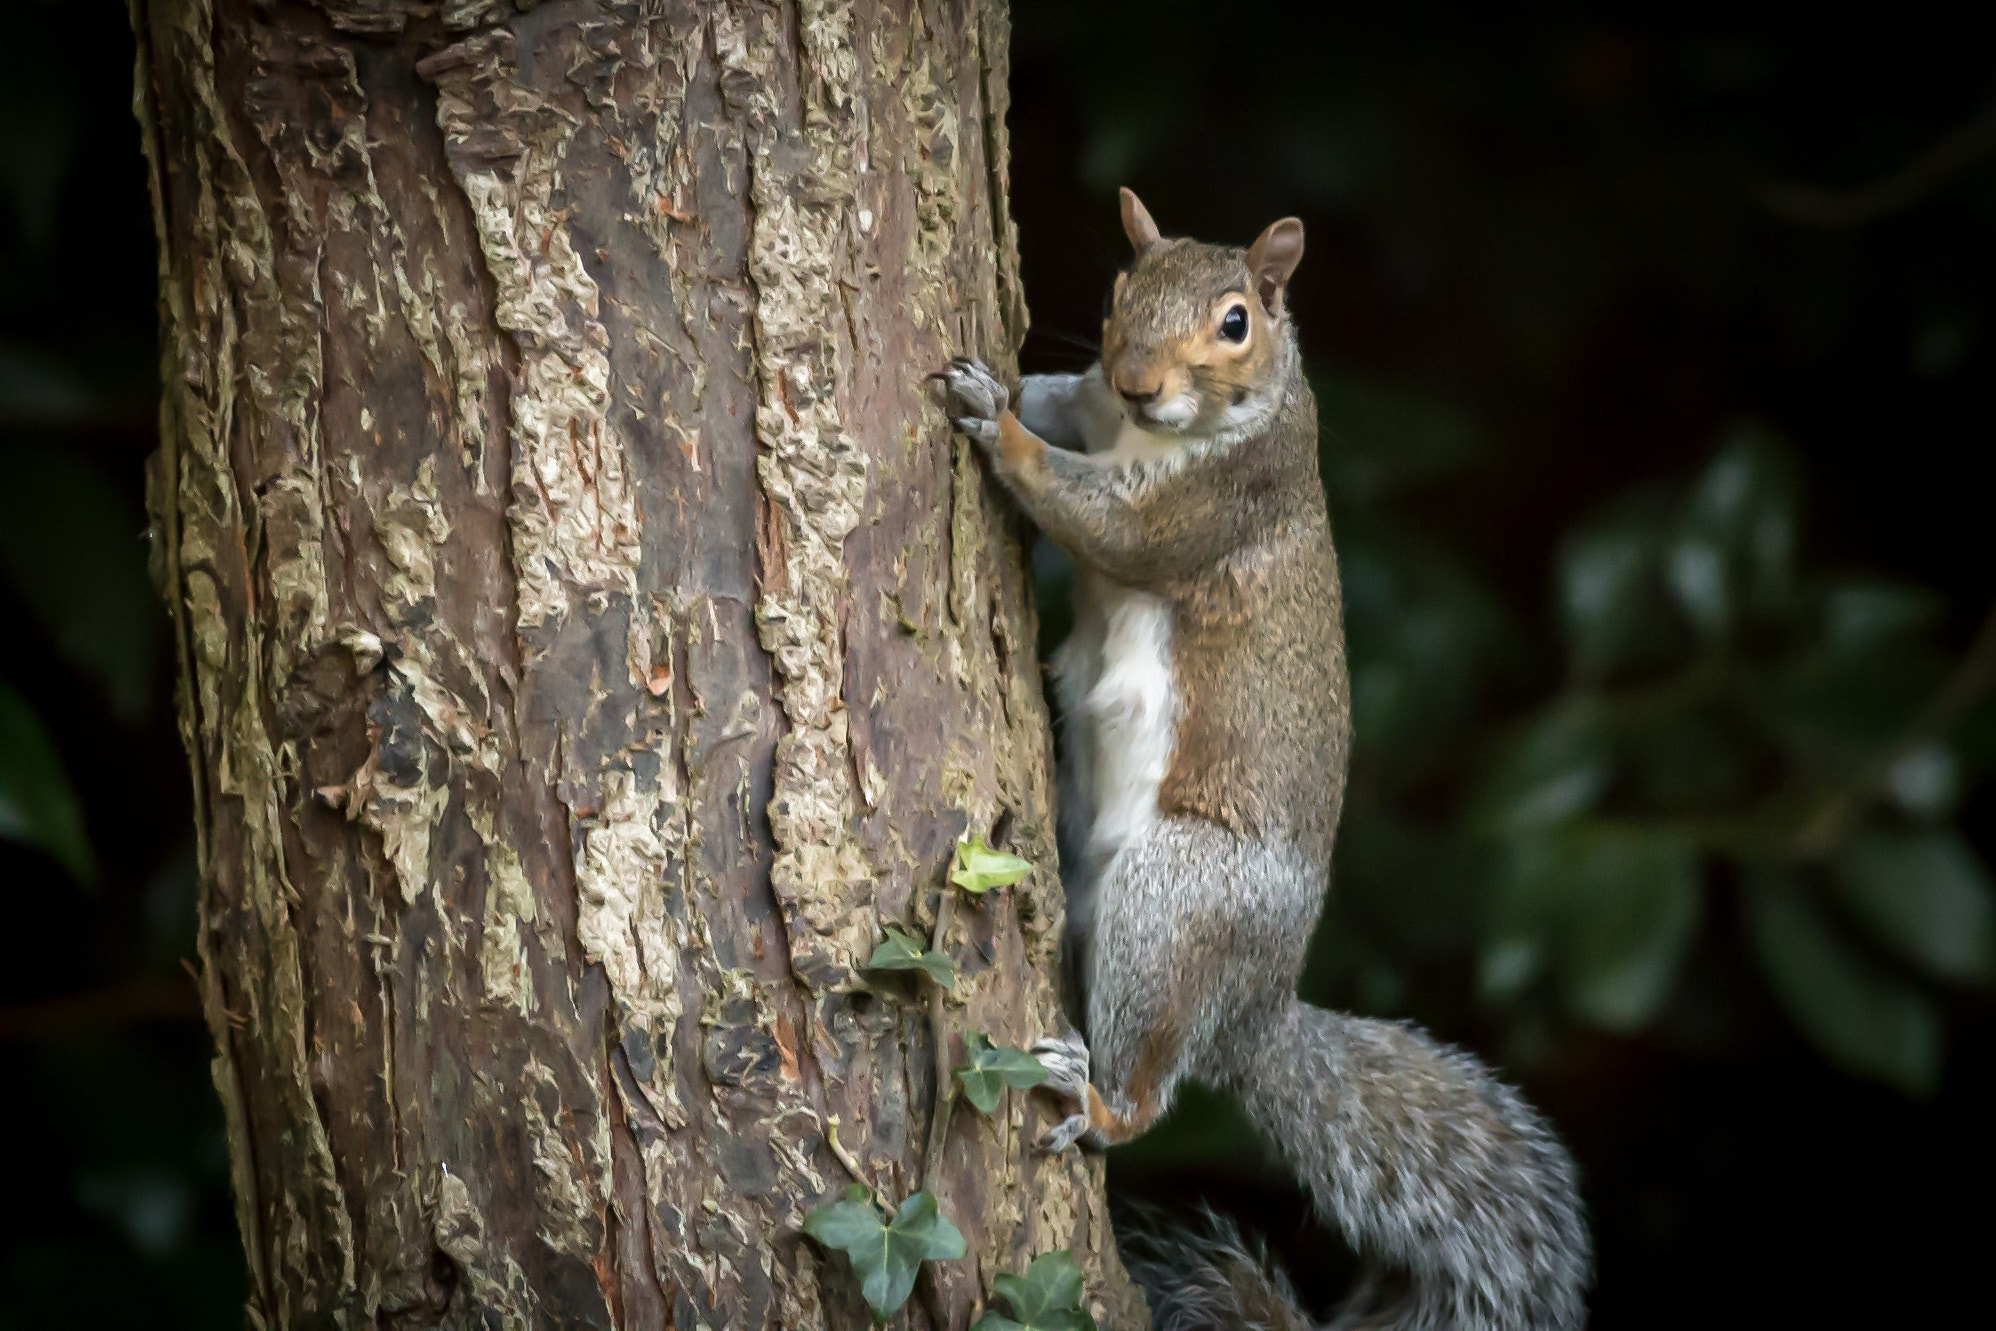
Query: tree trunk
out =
(590, 638)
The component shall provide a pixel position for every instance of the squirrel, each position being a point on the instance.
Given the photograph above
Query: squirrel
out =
(1206, 713)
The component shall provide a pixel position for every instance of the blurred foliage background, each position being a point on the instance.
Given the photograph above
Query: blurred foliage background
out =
(1654, 352)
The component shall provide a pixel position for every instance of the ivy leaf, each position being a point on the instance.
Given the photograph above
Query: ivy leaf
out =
(847, 1223)
(37, 806)
(978, 868)
(1865, 1020)
(886, 1253)
(900, 952)
(994, 1067)
(1926, 896)
(1046, 1298)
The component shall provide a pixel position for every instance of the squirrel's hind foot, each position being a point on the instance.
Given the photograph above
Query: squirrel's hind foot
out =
(1065, 1133)
(1065, 1058)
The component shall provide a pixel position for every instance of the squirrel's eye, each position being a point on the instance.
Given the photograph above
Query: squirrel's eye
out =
(1233, 325)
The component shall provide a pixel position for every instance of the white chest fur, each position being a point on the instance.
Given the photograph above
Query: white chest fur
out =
(1121, 706)
(1118, 702)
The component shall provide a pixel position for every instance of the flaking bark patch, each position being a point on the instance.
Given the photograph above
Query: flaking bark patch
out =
(800, 184)
(573, 515)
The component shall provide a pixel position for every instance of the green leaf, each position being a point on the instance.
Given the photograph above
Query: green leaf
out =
(1611, 591)
(994, 1067)
(1925, 781)
(978, 868)
(1612, 905)
(71, 547)
(1046, 1298)
(1832, 713)
(37, 806)
(921, 1227)
(845, 1224)
(885, 1254)
(900, 952)
(1926, 896)
(1862, 615)
(1866, 1021)
(1527, 916)
(1698, 574)
(1637, 909)
(1556, 770)
(1734, 549)
(1691, 759)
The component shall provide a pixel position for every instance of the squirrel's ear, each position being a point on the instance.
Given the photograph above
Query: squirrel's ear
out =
(1273, 257)
(1136, 222)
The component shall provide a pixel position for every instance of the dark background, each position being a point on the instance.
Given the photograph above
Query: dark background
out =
(1655, 359)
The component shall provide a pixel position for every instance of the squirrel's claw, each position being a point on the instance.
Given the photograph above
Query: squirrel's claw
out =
(975, 391)
(1065, 1058)
(984, 432)
(1064, 1134)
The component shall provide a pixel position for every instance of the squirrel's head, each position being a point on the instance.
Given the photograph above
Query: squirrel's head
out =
(1197, 339)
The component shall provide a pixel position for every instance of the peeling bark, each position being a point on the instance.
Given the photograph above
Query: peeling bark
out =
(590, 637)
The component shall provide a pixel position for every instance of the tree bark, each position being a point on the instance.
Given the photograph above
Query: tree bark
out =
(590, 637)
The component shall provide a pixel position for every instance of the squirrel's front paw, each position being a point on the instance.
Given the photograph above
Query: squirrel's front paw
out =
(976, 398)
(1066, 1060)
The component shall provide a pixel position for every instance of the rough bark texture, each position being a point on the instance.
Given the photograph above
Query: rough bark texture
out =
(591, 636)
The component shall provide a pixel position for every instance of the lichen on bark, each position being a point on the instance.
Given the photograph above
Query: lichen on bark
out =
(590, 635)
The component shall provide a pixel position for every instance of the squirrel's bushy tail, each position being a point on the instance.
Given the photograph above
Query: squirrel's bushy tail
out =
(1452, 1189)
(1205, 1277)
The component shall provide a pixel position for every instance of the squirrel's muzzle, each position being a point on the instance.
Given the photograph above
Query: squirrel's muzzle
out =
(1146, 382)
(1137, 384)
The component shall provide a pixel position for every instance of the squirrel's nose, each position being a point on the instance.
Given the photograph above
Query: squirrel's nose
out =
(1137, 382)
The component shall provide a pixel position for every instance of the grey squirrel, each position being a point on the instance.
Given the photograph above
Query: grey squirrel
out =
(1207, 717)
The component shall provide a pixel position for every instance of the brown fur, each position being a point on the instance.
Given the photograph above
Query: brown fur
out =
(1237, 539)
(1258, 653)
(1019, 449)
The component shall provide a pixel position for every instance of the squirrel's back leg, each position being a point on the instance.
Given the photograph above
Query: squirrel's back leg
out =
(1171, 970)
